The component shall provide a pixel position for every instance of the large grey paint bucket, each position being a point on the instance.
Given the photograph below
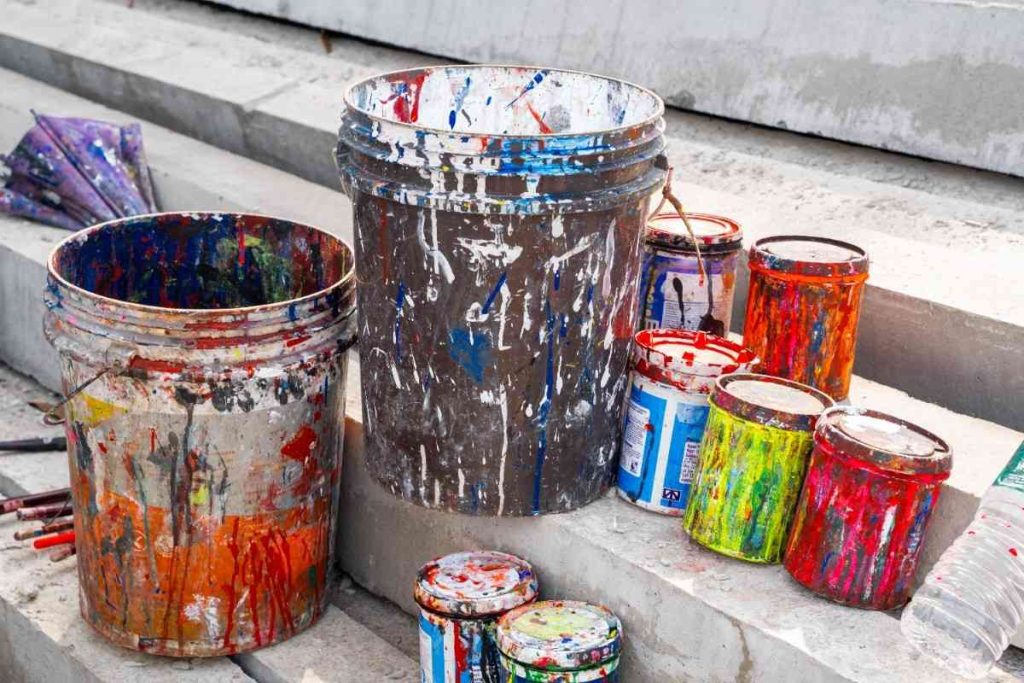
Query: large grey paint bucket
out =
(498, 215)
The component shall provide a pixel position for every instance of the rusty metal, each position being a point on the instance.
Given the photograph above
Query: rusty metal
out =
(205, 471)
(498, 215)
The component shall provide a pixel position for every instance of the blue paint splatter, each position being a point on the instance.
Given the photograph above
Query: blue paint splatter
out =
(471, 351)
(293, 313)
(537, 78)
(544, 410)
(558, 278)
(399, 301)
(460, 97)
(494, 293)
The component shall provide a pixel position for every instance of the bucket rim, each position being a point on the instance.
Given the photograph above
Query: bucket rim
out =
(51, 270)
(659, 112)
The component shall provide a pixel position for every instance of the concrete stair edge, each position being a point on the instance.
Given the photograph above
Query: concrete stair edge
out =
(288, 121)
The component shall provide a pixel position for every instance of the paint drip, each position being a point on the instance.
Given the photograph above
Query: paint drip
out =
(673, 294)
(460, 597)
(498, 212)
(871, 487)
(204, 357)
(803, 308)
(751, 465)
(673, 373)
(559, 641)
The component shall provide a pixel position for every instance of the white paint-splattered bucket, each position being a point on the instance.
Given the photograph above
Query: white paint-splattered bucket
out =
(498, 216)
(203, 356)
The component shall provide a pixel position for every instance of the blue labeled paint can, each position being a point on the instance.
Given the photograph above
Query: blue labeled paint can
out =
(673, 295)
(460, 595)
(673, 373)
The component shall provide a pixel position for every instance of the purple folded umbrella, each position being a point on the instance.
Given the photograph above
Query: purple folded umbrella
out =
(72, 173)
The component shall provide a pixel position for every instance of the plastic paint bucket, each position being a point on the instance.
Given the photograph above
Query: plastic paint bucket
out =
(204, 359)
(674, 371)
(460, 596)
(803, 308)
(559, 641)
(751, 465)
(871, 486)
(672, 293)
(498, 214)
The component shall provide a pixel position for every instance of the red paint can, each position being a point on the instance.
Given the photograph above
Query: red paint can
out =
(871, 486)
(803, 307)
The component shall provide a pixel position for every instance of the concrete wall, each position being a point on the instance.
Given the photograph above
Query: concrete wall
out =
(943, 79)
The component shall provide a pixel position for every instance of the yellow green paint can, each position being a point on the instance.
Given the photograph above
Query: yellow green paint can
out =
(751, 465)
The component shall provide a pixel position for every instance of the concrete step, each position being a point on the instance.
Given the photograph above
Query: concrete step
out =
(691, 612)
(43, 638)
(945, 241)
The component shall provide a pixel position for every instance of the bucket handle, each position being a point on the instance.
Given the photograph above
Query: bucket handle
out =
(668, 196)
(53, 416)
(119, 358)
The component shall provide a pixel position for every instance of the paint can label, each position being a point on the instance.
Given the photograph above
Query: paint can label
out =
(455, 651)
(1012, 476)
(662, 434)
(675, 296)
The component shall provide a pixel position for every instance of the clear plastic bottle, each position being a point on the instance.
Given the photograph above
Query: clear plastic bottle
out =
(972, 601)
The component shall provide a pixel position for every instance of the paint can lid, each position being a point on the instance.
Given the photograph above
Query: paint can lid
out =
(713, 233)
(809, 256)
(771, 401)
(560, 635)
(888, 442)
(477, 583)
(663, 354)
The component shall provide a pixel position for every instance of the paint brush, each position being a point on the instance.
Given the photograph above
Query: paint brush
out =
(57, 539)
(18, 502)
(44, 511)
(62, 552)
(35, 445)
(64, 525)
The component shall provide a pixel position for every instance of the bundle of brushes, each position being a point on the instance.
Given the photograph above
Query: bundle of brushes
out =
(72, 173)
(53, 509)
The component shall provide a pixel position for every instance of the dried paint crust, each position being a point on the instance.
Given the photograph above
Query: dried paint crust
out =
(746, 487)
(803, 324)
(860, 523)
(205, 468)
(498, 261)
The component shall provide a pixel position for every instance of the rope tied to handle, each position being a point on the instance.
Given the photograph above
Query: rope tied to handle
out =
(668, 196)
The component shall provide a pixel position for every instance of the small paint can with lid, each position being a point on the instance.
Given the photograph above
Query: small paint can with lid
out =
(871, 486)
(460, 596)
(673, 294)
(559, 641)
(803, 308)
(751, 465)
(673, 372)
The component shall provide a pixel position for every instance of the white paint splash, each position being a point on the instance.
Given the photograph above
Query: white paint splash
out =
(440, 261)
(423, 472)
(557, 227)
(504, 450)
(204, 609)
(489, 252)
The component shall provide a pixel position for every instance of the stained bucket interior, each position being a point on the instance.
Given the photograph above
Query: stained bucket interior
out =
(505, 100)
(202, 261)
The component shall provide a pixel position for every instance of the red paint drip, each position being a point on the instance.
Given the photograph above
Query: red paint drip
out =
(241, 247)
(1013, 551)
(544, 128)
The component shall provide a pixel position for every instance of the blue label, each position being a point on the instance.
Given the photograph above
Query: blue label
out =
(441, 642)
(641, 478)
